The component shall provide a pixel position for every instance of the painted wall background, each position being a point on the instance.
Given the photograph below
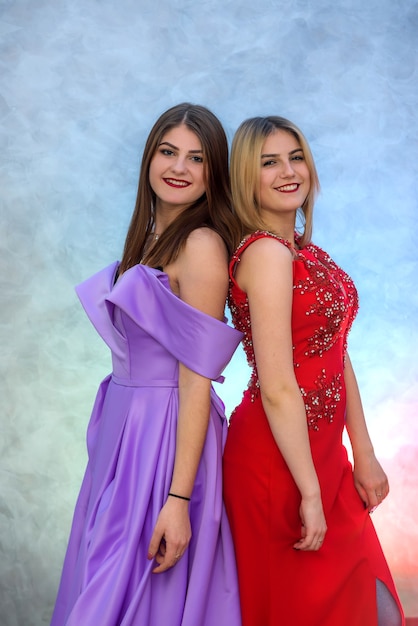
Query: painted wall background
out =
(81, 83)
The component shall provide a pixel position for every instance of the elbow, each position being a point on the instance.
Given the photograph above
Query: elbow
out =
(280, 395)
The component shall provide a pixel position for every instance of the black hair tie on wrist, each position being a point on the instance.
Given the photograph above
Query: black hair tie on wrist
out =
(174, 495)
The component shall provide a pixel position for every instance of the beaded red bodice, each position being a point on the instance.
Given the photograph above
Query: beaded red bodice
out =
(325, 303)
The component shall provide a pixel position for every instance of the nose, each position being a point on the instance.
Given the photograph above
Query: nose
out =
(179, 164)
(286, 169)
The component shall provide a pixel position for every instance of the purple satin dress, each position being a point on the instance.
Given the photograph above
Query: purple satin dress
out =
(107, 578)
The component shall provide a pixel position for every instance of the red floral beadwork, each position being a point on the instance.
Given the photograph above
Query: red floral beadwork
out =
(325, 304)
(336, 299)
(321, 402)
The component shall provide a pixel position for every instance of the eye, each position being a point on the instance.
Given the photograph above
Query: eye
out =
(197, 159)
(268, 163)
(298, 157)
(166, 152)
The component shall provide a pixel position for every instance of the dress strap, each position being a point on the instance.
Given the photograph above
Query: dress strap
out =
(247, 241)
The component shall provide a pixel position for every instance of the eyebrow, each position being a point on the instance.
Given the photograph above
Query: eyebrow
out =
(263, 156)
(167, 143)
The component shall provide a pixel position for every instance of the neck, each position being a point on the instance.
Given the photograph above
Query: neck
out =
(282, 228)
(165, 215)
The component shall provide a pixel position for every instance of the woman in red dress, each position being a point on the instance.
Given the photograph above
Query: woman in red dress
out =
(306, 548)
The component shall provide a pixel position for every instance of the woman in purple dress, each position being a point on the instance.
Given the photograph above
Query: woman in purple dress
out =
(150, 544)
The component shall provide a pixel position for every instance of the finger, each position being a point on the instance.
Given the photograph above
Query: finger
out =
(162, 563)
(165, 562)
(378, 496)
(362, 493)
(156, 545)
(174, 553)
(160, 556)
(306, 543)
(162, 567)
(168, 555)
(310, 545)
(376, 499)
(301, 545)
(310, 540)
(382, 491)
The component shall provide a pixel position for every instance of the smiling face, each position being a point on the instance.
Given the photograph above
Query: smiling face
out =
(177, 169)
(284, 177)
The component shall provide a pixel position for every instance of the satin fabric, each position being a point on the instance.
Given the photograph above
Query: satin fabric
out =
(131, 436)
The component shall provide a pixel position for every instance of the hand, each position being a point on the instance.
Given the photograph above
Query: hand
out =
(370, 480)
(171, 536)
(314, 525)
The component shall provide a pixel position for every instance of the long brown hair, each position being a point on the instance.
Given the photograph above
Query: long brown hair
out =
(213, 209)
(245, 172)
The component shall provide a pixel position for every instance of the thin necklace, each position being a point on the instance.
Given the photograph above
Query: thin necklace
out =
(155, 237)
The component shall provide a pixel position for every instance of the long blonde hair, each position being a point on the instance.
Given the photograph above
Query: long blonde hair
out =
(245, 172)
(213, 209)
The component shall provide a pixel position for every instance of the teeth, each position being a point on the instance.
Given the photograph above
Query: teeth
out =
(178, 183)
(288, 187)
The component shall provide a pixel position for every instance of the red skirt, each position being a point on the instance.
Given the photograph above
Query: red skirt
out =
(335, 586)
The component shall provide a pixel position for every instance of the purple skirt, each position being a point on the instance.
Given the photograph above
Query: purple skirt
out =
(107, 578)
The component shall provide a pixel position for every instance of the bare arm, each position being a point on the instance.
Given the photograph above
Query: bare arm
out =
(265, 274)
(202, 280)
(370, 479)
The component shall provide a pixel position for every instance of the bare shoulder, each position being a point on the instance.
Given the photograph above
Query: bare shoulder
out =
(202, 272)
(267, 247)
(205, 241)
(263, 263)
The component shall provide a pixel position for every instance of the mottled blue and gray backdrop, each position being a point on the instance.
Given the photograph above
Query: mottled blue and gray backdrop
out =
(81, 83)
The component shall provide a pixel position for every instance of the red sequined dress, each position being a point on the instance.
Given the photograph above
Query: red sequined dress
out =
(280, 586)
